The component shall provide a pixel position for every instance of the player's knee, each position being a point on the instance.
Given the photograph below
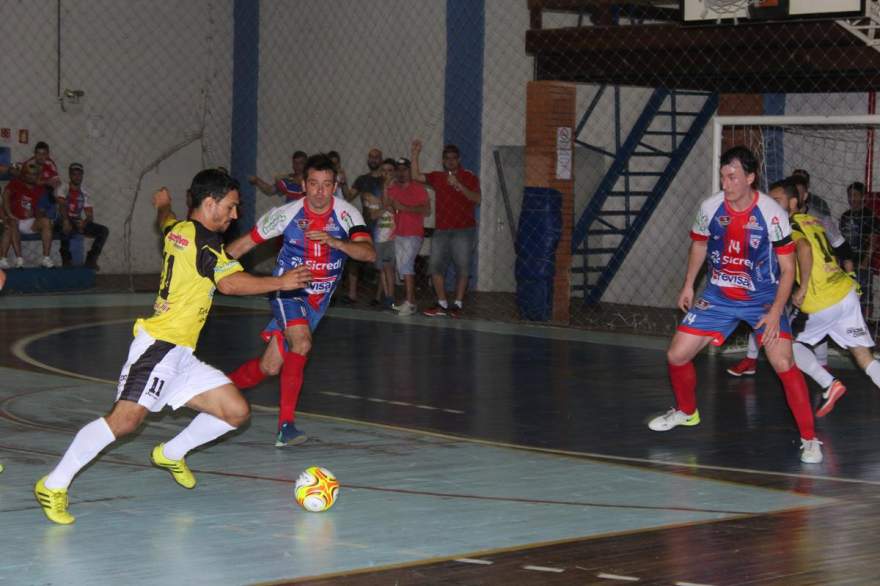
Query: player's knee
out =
(270, 367)
(123, 424)
(237, 413)
(302, 346)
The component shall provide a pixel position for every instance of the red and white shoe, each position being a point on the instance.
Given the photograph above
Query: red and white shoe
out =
(744, 366)
(834, 392)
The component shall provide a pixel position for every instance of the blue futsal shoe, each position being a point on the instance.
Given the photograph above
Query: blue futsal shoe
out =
(289, 435)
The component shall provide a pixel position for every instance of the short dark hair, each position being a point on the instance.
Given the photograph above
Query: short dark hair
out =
(211, 183)
(319, 162)
(802, 173)
(41, 145)
(799, 180)
(856, 186)
(451, 148)
(333, 154)
(300, 155)
(744, 156)
(786, 185)
(389, 161)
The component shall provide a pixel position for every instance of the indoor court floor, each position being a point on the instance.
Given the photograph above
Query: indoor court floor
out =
(469, 452)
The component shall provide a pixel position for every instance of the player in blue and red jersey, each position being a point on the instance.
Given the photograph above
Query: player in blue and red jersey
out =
(320, 232)
(746, 238)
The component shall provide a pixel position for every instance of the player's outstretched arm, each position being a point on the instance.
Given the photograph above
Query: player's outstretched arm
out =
(240, 246)
(162, 203)
(242, 283)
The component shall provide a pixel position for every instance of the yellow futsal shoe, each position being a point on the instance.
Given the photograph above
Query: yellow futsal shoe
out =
(54, 502)
(178, 468)
(1, 467)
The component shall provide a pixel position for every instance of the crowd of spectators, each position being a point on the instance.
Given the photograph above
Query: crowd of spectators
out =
(391, 193)
(36, 202)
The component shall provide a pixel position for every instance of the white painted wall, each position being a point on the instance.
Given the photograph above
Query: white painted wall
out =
(156, 76)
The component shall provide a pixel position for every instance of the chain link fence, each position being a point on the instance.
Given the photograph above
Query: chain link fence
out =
(158, 81)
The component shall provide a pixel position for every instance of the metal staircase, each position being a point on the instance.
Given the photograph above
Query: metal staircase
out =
(643, 167)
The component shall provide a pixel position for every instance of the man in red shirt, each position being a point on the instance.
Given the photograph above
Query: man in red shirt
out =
(48, 171)
(411, 205)
(22, 214)
(456, 196)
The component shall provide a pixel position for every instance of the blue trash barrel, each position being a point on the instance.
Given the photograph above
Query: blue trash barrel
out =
(538, 234)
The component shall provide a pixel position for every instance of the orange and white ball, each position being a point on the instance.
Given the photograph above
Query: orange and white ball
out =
(316, 489)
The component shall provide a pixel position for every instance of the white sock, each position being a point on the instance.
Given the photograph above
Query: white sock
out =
(443, 304)
(752, 352)
(806, 361)
(87, 444)
(821, 352)
(458, 303)
(873, 371)
(201, 430)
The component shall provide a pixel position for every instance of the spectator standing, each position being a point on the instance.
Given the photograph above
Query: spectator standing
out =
(411, 205)
(457, 194)
(858, 225)
(289, 186)
(382, 215)
(77, 215)
(370, 184)
(22, 213)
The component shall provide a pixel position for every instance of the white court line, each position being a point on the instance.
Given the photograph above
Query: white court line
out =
(544, 569)
(617, 577)
(473, 561)
(690, 584)
(399, 403)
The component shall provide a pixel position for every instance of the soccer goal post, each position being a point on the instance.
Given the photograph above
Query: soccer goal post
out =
(835, 150)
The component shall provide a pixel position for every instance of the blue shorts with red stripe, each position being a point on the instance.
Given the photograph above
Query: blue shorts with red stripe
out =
(291, 311)
(716, 316)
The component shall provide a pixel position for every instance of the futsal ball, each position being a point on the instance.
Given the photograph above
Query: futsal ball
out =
(316, 489)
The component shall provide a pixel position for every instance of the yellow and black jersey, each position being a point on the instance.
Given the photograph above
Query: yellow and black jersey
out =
(193, 262)
(828, 282)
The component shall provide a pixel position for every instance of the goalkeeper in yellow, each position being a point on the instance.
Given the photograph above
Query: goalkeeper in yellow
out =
(161, 368)
(827, 300)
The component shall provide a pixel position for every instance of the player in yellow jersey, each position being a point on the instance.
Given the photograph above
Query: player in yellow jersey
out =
(827, 299)
(161, 368)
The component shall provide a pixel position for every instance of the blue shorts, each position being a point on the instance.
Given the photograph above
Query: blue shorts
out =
(718, 316)
(292, 311)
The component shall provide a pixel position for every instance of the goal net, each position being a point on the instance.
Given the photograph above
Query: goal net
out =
(837, 152)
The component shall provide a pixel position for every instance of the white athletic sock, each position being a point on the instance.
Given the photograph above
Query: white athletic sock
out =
(873, 371)
(821, 352)
(442, 303)
(806, 361)
(201, 430)
(458, 303)
(87, 443)
(752, 352)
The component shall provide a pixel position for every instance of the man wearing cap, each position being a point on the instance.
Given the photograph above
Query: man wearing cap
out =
(411, 205)
(23, 215)
(76, 216)
(457, 194)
